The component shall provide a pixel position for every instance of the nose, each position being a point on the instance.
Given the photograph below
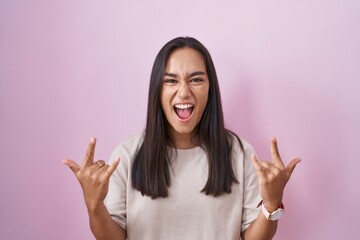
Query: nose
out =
(183, 91)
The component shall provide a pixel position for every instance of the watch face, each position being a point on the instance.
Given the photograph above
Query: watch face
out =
(277, 214)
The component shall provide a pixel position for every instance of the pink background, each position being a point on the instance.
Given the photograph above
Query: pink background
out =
(74, 69)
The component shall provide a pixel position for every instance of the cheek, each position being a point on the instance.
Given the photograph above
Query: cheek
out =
(166, 100)
(203, 97)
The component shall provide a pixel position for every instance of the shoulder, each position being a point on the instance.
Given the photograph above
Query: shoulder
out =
(239, 144)
(133, 142)
(241, 153)
(128, 148)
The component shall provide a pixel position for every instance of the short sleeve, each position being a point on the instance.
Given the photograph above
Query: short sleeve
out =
(115, 200)
(251, 195)
(120, 180)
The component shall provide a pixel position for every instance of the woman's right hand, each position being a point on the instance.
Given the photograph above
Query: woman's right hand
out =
(93, 176)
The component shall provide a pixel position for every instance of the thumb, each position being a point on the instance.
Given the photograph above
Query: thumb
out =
(72, 165)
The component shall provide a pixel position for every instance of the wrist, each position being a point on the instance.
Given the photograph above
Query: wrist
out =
(273, 206)
(93, 206)
(97, 210)
(271, 214)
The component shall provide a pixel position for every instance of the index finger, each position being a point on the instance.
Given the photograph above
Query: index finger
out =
(275, 155)
(89, 156)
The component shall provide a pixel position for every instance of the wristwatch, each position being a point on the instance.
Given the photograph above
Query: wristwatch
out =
(273, 216)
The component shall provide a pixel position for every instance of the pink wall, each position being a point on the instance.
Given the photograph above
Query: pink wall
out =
(70, 70)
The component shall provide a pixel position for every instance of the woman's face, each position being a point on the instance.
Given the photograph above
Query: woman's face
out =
(184, 93)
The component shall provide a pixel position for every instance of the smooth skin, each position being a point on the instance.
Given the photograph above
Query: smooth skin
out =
(273, 177)
(94, 180)
(185, 82)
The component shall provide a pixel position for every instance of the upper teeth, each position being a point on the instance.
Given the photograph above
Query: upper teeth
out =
(183, 106)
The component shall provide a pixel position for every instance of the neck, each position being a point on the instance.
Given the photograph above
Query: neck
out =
(183, 140)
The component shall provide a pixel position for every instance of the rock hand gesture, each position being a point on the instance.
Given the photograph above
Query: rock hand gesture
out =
(273, 176)
(94, 180)
(93, 176)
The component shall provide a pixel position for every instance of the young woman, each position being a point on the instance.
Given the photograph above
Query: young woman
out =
(185, 176)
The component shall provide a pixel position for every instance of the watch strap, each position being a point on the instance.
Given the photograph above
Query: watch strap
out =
(272, 216)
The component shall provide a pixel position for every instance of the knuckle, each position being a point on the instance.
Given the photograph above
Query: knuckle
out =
(102, 180)
(271, 178)
(81, 174)
(94, 177)
(86, 173)
(277, 172)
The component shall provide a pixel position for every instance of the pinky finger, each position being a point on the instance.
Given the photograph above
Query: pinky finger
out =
(291, 166)
(256, 162)
(258, 166)
(113, 166)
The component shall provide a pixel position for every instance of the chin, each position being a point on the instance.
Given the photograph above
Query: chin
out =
(182, 130)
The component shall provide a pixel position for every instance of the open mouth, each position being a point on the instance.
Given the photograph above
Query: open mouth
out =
(184, 111)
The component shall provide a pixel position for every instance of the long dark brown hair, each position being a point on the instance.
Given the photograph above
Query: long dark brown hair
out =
(150, 171)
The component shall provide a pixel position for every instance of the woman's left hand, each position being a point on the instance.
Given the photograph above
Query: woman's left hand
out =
(273, 177)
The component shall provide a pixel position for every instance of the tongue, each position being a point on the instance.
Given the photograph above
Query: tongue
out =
(183, 113)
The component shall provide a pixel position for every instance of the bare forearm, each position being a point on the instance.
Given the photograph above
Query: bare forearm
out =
(102, 225)
(273, 176)
(260, 229)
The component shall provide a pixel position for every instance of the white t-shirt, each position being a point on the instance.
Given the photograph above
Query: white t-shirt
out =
(186, 213)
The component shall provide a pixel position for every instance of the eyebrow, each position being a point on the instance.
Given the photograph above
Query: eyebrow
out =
(170, 75)
(197, 73)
